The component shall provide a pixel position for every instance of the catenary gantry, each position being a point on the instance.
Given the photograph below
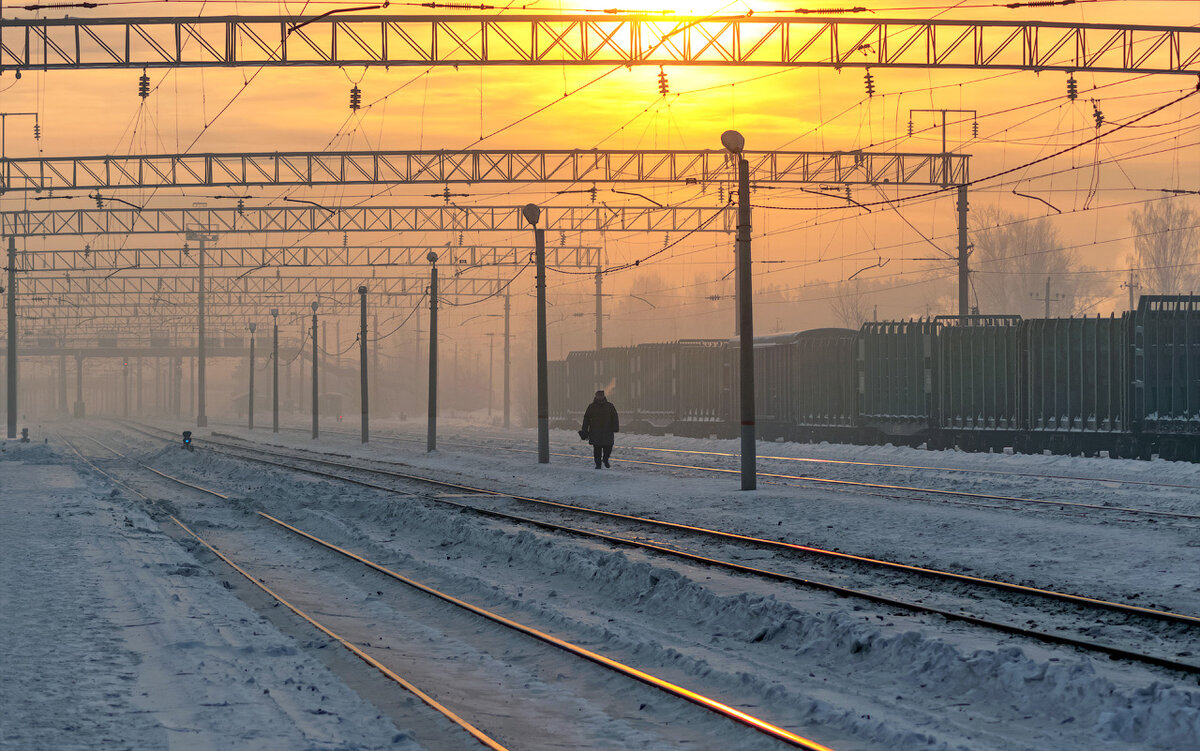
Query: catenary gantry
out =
(274, 257)
(610, 39)
(357, 219)
(575, 166)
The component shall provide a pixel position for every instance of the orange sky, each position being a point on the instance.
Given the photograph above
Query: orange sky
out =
(1022, 116)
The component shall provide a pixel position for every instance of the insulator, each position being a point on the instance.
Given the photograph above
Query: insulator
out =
(663, 88)
(1072, 88)
(974, 129)
(460, 238)
(666, 240)
(910, 127)
(87, 250)
(720, 194)
(144, 86)
(99, 201)
(870, 79)
(241, 206)
(593, 193)
(37, 132)
(1096, 113)
(355, 98)
(562, 239)
(345, 239)
(446, 194)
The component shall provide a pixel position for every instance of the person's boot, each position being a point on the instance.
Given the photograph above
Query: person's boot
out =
(607, 465)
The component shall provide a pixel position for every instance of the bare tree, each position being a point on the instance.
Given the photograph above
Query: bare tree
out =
(1012, 259)
(850, 306)
(1164, 247)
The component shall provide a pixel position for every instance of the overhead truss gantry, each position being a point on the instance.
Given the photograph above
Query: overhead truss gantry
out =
(37, 260)
(611, 39)
(318, 168)
(264, 290)
(358, 219)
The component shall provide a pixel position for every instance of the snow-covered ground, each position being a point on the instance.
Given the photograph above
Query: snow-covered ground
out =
(116, 635)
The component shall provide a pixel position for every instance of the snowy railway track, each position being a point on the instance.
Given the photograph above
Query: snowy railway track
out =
(907, 492)
(378, 651)
(1027, 611)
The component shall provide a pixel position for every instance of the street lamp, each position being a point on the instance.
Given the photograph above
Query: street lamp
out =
(274, 370)
(250, 401)
(316, 411)
(431, 425)
(532, 213)
(734, 143)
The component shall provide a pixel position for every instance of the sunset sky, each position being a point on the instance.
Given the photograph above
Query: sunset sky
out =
(1087, 194)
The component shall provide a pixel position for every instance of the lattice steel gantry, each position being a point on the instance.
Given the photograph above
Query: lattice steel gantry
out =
(608, 40)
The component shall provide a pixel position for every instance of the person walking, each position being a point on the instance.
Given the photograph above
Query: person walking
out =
(600, 423)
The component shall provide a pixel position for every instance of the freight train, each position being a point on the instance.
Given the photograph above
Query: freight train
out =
(1126, 385)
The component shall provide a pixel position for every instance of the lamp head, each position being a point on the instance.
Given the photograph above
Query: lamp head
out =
(733, 141)
(362, 290)
(253, 326)
(314, 307)
(274, 312)
(431, 257)
(532, 213)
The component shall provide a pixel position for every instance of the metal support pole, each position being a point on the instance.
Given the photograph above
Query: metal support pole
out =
(532, 214)
(79, 408)
(11, 369)
(491, 372)
(201, 414)
(62, 384)
(250, 400)
(964, 249)
(125, 387)
(507, 360)
(139, 387)
(275, 371)
(431, 429)
(362, 361)
(316, 411)
(599, 319)
(745, 291)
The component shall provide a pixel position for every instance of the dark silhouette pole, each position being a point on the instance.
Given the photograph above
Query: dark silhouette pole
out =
(431, 429)
(734, 143)
(274, 370)
(316, 399)
(362, 361)
(250, 401)
(532, 213)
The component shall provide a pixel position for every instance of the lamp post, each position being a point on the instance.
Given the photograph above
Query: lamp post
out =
(316, 411)
(431, 425)
(11, 354)
(274, 370)
(735, 143)
(250, 401)
(532, 213)
(362, 361)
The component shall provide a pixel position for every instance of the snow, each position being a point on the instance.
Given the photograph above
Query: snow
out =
(116, 631)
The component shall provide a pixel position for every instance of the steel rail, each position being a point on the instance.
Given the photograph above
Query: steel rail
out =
(1162, 615)
(968, 470)
(694, 697)
(449, 714)
(1053, 638)
(854, 483)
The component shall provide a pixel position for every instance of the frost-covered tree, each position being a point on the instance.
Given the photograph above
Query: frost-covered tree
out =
(850, 306)
(1012, 258)
(1164, 247)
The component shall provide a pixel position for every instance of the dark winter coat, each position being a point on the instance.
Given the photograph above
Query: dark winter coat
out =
(600, 423)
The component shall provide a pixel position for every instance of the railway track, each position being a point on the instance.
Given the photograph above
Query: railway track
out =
(458, 619)
(1146, 635)
(908, 492)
